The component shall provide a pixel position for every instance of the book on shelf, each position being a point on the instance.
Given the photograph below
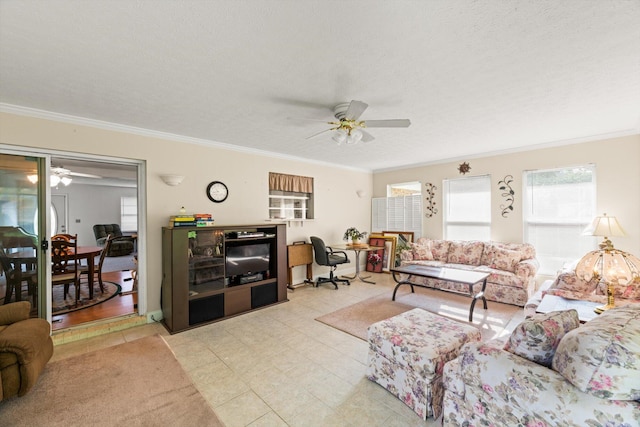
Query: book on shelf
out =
(209, 223)
(182, 223)
(204, 216)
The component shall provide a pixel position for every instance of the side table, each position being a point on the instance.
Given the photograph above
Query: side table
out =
(555, 303)
(300, 253)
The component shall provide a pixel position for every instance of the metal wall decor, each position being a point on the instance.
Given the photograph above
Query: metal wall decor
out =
(464, 168)
(508, 194)
(430, 191)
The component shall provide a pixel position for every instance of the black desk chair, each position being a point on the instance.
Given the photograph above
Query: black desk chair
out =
(327, 256)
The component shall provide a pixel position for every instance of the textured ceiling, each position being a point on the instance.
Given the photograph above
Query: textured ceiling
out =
(472, 76)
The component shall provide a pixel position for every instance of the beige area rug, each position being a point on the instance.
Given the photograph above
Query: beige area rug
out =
(61, 305)
(356, 318)
(139, 383)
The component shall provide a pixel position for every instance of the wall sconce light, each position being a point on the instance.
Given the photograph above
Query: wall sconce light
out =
(359, 193)
(172, 180)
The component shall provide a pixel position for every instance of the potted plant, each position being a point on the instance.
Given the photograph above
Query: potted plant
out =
(354, 235)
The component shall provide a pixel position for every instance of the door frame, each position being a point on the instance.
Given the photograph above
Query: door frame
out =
(44, 278)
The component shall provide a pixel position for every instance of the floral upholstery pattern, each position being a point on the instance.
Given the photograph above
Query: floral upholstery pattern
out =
(407, 354)
(507, 283)
(465, 252)
(422, 251)
(488, 386)
(602, 357)
(537, 337)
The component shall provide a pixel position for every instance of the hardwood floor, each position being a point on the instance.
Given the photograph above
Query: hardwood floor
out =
(120, 305)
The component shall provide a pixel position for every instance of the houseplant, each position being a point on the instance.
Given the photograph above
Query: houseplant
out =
(354, 235)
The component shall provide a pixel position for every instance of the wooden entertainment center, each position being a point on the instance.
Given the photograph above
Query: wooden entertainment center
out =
(211, 273)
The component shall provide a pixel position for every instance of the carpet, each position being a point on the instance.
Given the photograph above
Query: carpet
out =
(139, 383)
(60, 305)
(356, 318)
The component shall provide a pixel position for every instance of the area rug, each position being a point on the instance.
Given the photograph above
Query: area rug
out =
(356, 318)
(139, 383)
(61, 305)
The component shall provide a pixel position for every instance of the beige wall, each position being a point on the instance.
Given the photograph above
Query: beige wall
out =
(617, 173)
(337, 206)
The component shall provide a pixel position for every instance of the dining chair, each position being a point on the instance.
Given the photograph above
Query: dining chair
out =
(64, 265)
(63, 236)
(15, 276)
(325, 255)
(97, 269)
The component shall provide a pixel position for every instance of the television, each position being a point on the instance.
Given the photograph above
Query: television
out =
(242, 260)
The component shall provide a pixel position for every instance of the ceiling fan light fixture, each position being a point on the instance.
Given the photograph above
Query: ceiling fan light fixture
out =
(32, 178)
(340, 136)
(55, 180)
(354, 137)
(66, 180)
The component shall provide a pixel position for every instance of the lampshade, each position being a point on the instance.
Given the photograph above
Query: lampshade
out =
(354, 136)
(604, 226)
(340, 136)
(612, 266)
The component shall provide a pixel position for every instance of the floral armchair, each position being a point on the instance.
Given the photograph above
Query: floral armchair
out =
(550, 373)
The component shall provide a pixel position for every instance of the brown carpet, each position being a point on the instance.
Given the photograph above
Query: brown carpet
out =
(356, 318)
(139, 383)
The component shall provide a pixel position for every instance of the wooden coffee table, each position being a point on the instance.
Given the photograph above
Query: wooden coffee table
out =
(555, 303)
(469, 278)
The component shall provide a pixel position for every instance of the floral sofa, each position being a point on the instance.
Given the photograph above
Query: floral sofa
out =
(551, 372)
(568, 285)
(512, 266)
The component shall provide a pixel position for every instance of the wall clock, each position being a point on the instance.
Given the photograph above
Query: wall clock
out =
(217, 191)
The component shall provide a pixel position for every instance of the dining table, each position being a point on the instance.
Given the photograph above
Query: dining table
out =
(27, 256)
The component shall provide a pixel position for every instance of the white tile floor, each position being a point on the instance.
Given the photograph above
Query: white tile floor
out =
(280, 367)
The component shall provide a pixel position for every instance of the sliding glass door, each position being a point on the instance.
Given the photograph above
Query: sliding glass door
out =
(23, 227)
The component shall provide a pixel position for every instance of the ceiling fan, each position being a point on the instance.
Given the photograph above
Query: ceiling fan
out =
(349, 129)
(62, 175)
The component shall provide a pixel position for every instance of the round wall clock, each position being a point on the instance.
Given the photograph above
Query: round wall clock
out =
(217, 191)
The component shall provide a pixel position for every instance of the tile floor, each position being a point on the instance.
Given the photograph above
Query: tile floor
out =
(279, 367)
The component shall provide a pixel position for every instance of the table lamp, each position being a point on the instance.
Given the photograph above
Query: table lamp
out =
(612, 266)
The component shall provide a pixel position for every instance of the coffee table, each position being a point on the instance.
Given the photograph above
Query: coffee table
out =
(555, 303)
(469, 278)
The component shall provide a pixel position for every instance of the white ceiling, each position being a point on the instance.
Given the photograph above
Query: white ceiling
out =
(472, 76)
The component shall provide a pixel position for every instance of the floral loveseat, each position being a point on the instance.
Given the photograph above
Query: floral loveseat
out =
(568, 285)
(551, 372)
(512, 266)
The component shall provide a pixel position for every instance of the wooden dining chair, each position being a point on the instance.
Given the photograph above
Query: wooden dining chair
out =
(97, 269)
(15, 276)
(63, 236)
(64, 266)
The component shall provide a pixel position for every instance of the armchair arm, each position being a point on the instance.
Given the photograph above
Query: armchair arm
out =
(14, 312)
(527, 268)
(495, 375)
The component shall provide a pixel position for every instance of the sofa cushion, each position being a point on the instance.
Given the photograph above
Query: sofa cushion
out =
(465, 252)
(440, 249)
(422, 251)
(569, 281)
(505, 259)
(602, 357)
(537, 337)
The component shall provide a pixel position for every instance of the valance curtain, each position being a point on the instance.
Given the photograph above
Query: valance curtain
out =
(291, 183)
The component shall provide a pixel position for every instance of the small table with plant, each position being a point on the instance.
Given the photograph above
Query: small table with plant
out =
(355, 244)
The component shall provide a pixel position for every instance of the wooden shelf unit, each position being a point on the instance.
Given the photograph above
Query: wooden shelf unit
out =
(195, 287)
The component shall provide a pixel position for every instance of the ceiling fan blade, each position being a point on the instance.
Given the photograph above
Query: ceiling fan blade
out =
(355, 110)
(392, 123)
(319, 133)
(366, 136)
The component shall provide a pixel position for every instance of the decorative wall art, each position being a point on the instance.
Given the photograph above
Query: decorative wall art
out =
(388, 257)
(508, 194)
(464, 168)
(430, 208)
(403, 241)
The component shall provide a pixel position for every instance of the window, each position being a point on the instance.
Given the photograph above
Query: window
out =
(401, 213)
(290, 197)
(467, 208)
(129, 213)
(558, 205)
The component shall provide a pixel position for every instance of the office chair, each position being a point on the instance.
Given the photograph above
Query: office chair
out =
(325, 255)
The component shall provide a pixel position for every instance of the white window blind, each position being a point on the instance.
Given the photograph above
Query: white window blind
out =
(558, 205)
(397, 214)
(129, 213)
(467, 208)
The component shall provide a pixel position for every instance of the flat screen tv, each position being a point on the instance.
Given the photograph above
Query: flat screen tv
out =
(247, 259)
